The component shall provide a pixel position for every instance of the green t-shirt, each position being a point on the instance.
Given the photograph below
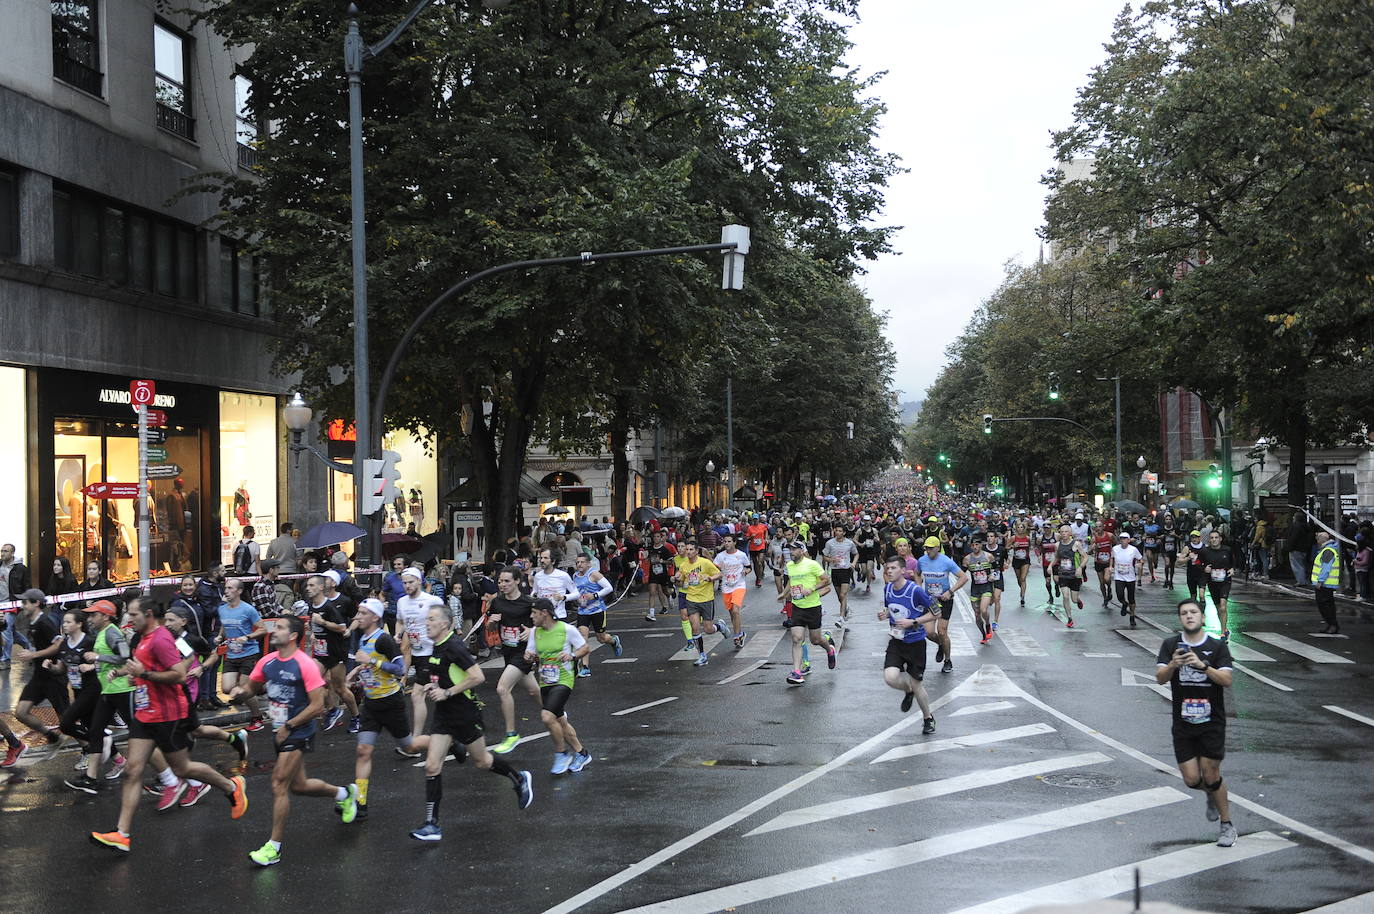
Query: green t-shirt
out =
(805, 575)
(548, 643)
(105, 645)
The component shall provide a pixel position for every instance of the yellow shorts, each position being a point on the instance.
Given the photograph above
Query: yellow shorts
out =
(734, 599)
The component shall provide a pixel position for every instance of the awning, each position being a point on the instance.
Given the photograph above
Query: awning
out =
(1276, 484)
(469, 493)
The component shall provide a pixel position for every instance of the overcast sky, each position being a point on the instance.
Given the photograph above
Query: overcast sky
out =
(972, 92)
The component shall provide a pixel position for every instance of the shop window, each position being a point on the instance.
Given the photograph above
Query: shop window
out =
(76, 44)
(172, 67)
(248, 443)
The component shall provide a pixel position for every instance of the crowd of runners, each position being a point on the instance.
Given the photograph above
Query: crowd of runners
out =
(406, 658)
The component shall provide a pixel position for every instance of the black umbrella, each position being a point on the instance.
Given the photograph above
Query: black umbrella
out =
(557, 509)
(330, 534)
(1130, 507)
(643, 514)
(1186, 503)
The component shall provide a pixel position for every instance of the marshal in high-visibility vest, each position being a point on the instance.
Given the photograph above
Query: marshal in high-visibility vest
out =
(1327, 553)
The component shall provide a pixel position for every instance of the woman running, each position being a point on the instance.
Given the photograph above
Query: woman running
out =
(1020, 557)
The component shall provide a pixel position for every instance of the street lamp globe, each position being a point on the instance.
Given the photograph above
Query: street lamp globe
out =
(296, 414)
(1140, 461)
(710, 466)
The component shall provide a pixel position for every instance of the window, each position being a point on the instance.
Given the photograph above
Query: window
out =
(239, 279)
(76, 44)
(171, 63)
(105, 240)
(9, 213)
(246, 126)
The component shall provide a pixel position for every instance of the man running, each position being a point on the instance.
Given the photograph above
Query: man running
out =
(412, 613)
(734, 567)
(907, 610)
(1102, 545)
(1197, 668)
(839, 555)
(1069, 563)
(553, 583)
(1127, 567)
(757, 534)
(659, 558)
(592, 589)
(159, 706)
(978, 562)
(328, 628)
(509, 613)
(554, 648)
(1047, 544)
(44, 685)
(996, 547)
(1149, 542)
(806, 584)
(454, 673)
(240, 628)
(696, 580)
(941, 577)
(381, 674)
(1216, 569)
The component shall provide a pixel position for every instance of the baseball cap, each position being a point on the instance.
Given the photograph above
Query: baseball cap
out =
(374, 606)
(100, 606)
(932, 542)
(412, 572)
(1078, 516)
(269, 564)
(1123, 535)
(334, 576)
(1197, 533)
(33, 593)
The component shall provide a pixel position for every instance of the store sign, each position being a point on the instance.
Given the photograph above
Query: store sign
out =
(111, 490)
(110, 395)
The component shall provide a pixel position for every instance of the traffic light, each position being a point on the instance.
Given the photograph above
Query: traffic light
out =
(987, 423)
(919, 468)
(1213, 476)
(1054, 387)
(849, 430)
(1105, 482)
(382, 476)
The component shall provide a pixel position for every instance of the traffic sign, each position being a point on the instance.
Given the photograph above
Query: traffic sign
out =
(111, 490)
(155, 436)
(157, 454)
(155, 416)
(164, 471)
(142, 393)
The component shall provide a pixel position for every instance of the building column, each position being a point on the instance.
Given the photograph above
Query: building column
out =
(35, 219)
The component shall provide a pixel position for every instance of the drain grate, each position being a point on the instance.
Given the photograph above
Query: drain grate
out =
(1081, 781)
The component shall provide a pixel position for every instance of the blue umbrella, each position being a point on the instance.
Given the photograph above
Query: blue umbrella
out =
(330, 534)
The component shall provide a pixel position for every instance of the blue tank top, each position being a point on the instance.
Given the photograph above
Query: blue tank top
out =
(585, 584)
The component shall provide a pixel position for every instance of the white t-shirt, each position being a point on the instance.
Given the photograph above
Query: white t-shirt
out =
(840, 553)
(1080, 530)
(731, 569)
(1123, 562)
(413, 613)
(557, 587)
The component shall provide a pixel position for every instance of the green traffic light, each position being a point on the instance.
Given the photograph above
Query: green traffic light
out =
(1214, 482)
(1054, 395)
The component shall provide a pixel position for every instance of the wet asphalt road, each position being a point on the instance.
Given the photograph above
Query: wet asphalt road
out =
(748, 794)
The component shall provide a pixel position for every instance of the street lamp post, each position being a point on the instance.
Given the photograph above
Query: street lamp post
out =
(711, 478)
(1117, 379)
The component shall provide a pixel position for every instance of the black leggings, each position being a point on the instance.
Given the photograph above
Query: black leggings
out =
(76, 719)
(1169, 559)
(1125, 593)
(105, 709)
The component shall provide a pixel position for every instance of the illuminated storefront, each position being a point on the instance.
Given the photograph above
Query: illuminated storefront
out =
(248, 439)
(418, 503)
(14, 462)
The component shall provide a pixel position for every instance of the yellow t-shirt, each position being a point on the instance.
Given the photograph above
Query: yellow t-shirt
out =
(695, 579)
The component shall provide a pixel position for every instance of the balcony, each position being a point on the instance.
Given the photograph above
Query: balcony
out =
(75, 73)
(177, 122)
(248, 157)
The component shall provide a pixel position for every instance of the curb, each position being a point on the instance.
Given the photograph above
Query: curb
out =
(1346, 605)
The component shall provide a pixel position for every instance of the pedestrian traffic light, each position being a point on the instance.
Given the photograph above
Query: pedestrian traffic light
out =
(944, 458)
(382, 476)
(987, 423)
(1054, 387)
(1106, 482)
(849, 430)
(1213, 476)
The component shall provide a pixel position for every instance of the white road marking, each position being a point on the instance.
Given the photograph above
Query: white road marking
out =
(1315, 654)
(686, 653)
(1019, 643)
(1153, 870)
(884, 859)
(1350, 714)
(964, 605)
(1264, 679)
(761, 643)
(1129, 677)
(1247, 654)
(960, 643)
(981, 709)
(924, 791)
(744, 672)
(1330, 635)
(620, 660)
(1091, 654)
(651, 704)
(1150, 643)
(1358, 904)
(664, 635)
(962, 742)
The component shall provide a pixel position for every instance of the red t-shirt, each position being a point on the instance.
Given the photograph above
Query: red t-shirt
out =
(757, 534)
(156, 702)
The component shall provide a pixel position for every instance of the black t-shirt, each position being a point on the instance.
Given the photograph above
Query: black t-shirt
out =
(661, 559)
(72, 657)
(515, 616)
(447, 666)
(1219, 559)
(1198, 701)
(333, 642)
(42, 633)
(1169, 538)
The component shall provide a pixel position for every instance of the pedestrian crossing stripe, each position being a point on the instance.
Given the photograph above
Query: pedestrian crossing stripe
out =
(1019, 643)
(1307, 651)
(963, 742)
(982, 709)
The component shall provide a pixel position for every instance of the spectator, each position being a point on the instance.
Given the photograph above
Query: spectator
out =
(62, 580)
(14, 580)
(266, 597)
(283, 549)
(185, 599)
(1363, 555)
(1326, 579)
(1299, 546)
(393, 589)
(247, 553)
(1260, 542)
(209, 595)
(94, 580)
(309, 564)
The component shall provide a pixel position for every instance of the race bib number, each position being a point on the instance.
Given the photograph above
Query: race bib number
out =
(1123, 569)
(1218, 574)
(934, 587)
(549, 673)
(1066, 566)
(797, 591)
(1149, 542)
(510, 635)
(1022, 553)
(693, 578)
(73, 677)
(141, 701)
(756, 542)
(731, 577)
(656, 568)
(980, 577)
(279, 712)
(1104, 557)
(1197, 710)
(367, 679)
(321, 648)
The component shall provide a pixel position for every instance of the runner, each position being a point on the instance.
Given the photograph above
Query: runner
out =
(240, 628)
(44, 685)
(328, 629)
(75, 643)
(806, 584)
(941, 578)
(1216, 567)
(412, 614)
(160, 706)
(1149, 539)
(553, 583)
(867, 539)
(381, 674)
(907, 610)
(110, 652)
(554, 648)
(509, 614)
(696, 581)
(659, 559)
(978, 563)
(1194, 574)
(178, 619)
(996, 547)
(1102, 545)
(1126, 570)
(1020, 557)
(1069, 564)
(1197, 668)
(592, 589)
(1047, 544)
(1168, 541)
(454, 673)
(777, 558)
(734, 567)
(839, 555)
(757, 533)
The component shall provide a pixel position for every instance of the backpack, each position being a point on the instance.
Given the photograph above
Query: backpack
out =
(243, 558)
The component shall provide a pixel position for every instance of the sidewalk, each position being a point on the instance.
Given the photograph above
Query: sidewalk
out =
(1345, 604)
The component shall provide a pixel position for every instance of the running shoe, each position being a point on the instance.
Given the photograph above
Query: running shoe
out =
(267, 855)
(500, 748)
(193, 795)
(806, 667)
(907, 700)
(986, 638)
(1123, 610)
(84, 784)
(333, 717)
(1226, 635)
(616, 646)
(994, 626)
(111, 839)
(1213, 814)
(239, 740)
(831, 655)
(153, 790)
(1023, 602)
(170, 795)
(406, 753)
(116, 769)
(1080, 603)
(739, 640)
(701, 660)
(1069, 623)
(650, 616)
(796, 677)
(362, 812)
(1227, 835)
(583, 672)
(839, 623)
(948, 667)
(939, 653)
(238, 800)
(348, 806)
(562, 761)
(255, 725)
(355, 724)
(524, 789)
(430, 831)
(723, 629)
(929, 725)
(80, 763)
(580, 760)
